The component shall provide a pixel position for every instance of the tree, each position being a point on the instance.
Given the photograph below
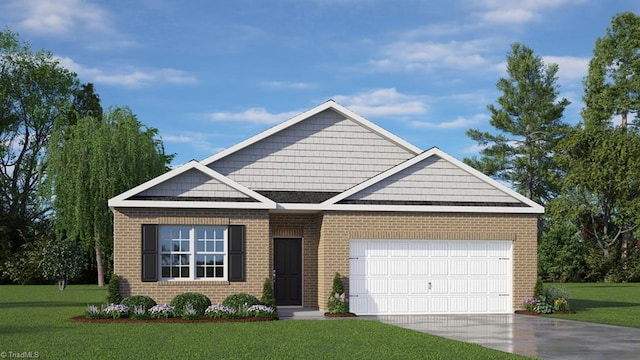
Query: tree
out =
(86, 103)
(601, 190)
(528, 120)
(62, 260)
(612, 86)
(93, 161)
(35, 92)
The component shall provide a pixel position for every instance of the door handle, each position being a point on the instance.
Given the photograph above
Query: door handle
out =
(273, 273)
(429, 285)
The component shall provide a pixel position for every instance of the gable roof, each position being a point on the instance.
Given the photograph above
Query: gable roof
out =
(386, 174)
(228, 194)
(329, 104)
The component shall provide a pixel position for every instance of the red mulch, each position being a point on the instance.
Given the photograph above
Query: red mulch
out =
(328, 314)
(177, 320)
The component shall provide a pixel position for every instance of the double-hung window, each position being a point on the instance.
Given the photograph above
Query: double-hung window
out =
(193, 252)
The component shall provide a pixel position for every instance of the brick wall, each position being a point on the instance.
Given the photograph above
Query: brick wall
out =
(340, 227)
(127, 251)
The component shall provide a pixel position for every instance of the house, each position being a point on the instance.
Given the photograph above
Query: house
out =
(410, 231)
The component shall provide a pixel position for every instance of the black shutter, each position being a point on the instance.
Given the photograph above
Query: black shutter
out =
(149, 253)
(236, 252)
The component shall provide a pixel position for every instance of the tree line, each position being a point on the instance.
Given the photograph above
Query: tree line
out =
(586, 175)
(61, 158)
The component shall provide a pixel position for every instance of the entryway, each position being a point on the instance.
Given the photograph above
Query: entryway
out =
(287, 264)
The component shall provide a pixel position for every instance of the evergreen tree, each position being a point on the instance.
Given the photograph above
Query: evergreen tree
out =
(528, 123)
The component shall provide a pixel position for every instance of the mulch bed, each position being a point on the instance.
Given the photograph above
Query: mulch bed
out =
(328, 314)
(176, 320)
(529, 312)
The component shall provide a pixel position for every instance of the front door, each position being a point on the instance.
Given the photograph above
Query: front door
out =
(287, 264)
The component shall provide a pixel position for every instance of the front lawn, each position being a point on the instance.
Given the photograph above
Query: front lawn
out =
(606, 303)
(35, 320)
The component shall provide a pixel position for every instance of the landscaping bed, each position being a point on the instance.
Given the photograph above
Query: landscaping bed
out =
(174, 320)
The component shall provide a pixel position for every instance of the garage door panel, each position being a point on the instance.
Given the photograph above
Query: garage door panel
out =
(430, 277)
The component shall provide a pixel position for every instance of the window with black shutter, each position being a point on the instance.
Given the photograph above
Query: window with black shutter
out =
(149, 253)
(236, 253)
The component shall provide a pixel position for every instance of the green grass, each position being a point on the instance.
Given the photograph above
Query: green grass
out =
(606, 303)
(36, 319)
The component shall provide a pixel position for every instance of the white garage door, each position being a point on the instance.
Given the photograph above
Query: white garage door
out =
(429, 277)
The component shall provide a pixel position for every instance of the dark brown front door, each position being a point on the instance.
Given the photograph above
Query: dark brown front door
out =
(287, 264)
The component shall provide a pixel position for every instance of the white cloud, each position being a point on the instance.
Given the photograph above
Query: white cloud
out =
(256, 115)
(510, 16)
(59, 17)
(517, 12)
(570, 68)
(287, 85)
(199, 141)
(132, 78)
(430, 55)
(383, 102)
(459, 122)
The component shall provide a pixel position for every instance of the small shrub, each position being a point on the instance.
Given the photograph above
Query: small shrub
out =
(190, 313)
(538, 289)
(543, 307)
(560, 304)
(219, 311)
(198, 301)
(267, 293)
(337, 303)
(94, 312)
(240, 302)
(113, 290)
(139, 312)
(139, 300)
(262, 311)
(162, 311)
(529, 303)
(116, 311)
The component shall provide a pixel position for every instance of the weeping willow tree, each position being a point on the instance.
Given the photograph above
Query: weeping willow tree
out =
(92, 161)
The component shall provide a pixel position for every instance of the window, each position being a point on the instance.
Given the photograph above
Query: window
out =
(193, 252)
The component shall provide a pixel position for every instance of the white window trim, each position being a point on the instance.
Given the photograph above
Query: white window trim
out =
(192, 256)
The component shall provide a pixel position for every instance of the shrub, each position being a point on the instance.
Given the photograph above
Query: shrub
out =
(94, 312)
(139, 300)
(190, 313)
(113, 290)
(162, 311)
(262, 310)
(560, 304)
(538, 289)
(116, 310)
(139, 312)
(267, 293)
(529, 303)
(240, 302)
(198, 301)
(337, 303)
(220, 311)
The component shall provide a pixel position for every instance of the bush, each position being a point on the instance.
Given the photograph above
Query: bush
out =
(538, 289)
(240, 302)
(337, 303)
(267, 293)
(139, 312)
(162, 311)
(262, 311)
(139, 300)
(198, 301)
(113, 291)
(219, 311)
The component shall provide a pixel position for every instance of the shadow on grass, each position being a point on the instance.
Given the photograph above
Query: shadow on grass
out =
(581, 304)
(34, 304)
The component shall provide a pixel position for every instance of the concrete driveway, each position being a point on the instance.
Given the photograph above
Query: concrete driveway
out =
(536, 336)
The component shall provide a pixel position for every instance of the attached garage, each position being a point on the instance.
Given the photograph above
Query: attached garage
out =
(430, 277)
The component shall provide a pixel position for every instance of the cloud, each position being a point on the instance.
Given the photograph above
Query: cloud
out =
(499, 12)
(199, 141)
(132, 78)
(432, 56)
(510, 16)
(570, 68)
(383, 102)
(257, 115)
(59, 17)
(459, 122)
(287, 85)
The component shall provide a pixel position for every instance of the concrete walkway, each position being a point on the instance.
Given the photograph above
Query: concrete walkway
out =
(536, 336)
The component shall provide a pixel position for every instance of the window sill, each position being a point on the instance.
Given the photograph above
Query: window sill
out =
(193, 282)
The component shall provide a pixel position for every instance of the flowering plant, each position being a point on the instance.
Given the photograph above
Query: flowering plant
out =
(139, 313)
(189, 312)
(529, 303)
(93, 312)
(261, 310)
(116, 310)
(560, 304)
(220, 311)
(162, 311)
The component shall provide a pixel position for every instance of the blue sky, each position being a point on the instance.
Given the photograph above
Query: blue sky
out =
(209, 74)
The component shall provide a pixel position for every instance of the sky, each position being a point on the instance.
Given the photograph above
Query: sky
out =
(209, 74)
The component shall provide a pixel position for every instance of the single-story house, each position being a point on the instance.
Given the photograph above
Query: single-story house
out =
(410, 231)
